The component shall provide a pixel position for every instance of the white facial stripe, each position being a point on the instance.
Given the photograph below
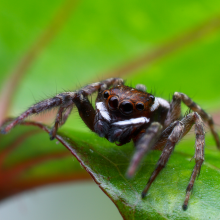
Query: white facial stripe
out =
(103, 111)
(133, 121)
(159, 101)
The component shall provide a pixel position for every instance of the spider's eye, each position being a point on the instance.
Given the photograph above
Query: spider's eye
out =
(106, 94)
(126, 107)
(152, 98)
(140, 106)
(113, 103)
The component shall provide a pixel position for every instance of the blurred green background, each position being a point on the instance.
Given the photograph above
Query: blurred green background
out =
(86, 41)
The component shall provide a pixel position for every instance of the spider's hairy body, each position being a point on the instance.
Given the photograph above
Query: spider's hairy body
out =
(106, 117)
(123, 114)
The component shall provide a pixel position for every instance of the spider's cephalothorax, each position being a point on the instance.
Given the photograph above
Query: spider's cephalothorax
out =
(123, 114)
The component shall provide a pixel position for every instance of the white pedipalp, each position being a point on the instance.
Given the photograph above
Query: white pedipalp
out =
(133, 121)
(103, 111)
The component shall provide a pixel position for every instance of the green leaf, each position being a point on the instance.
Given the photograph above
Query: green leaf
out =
(107, 164)
(29, 160)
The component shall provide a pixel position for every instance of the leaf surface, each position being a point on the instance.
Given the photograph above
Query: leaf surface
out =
(107, 164)
(29, 160)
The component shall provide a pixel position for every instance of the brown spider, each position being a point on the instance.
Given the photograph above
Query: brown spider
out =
(123, 114)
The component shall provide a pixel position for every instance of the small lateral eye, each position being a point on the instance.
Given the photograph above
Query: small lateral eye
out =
(126, 107)
(152, 98)
(140, 106)
(106, 94)
(113, 103)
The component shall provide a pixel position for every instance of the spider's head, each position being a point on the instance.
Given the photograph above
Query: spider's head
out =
(120, 103)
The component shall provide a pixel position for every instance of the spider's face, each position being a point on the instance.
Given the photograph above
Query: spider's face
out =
(118, 104)
(124, 102)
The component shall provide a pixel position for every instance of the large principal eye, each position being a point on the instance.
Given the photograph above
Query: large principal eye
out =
(140, 106)
(126, 107)
(113, 103)
(106, 94)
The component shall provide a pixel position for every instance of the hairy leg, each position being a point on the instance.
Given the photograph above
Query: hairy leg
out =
(177, 98)
(173, 138)
(179, 130)
(144, 145)
(61, 117)
(65, 100)
(66, 114)
(174, 112)
(56, 124)
(199, 156)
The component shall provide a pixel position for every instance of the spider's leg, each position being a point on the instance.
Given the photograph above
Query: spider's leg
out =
(85, 108)
(81, 101)
(47, 104)
(65, 100)
(199, 153)
(144, 145)
(53, 131)
(94, 87)
(180, 128)
(196, 108)
(174, 112)
(66, 114)
(62, 115)
(173, 138)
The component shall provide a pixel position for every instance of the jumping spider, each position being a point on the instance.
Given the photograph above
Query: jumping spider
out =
(123, 114)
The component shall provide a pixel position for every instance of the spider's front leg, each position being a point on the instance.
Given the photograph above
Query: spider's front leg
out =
(65, 102)
(143, 145)
(180, 128)
(85, 108)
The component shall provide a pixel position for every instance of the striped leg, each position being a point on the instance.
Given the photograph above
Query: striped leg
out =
(56, 124)
(61, 117)
(199, 154)
(179, 130)
(175, 112)
(173, 138)
(66, 100)
(66, 114)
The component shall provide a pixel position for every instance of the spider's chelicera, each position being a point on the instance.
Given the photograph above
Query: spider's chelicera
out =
(123, 114)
